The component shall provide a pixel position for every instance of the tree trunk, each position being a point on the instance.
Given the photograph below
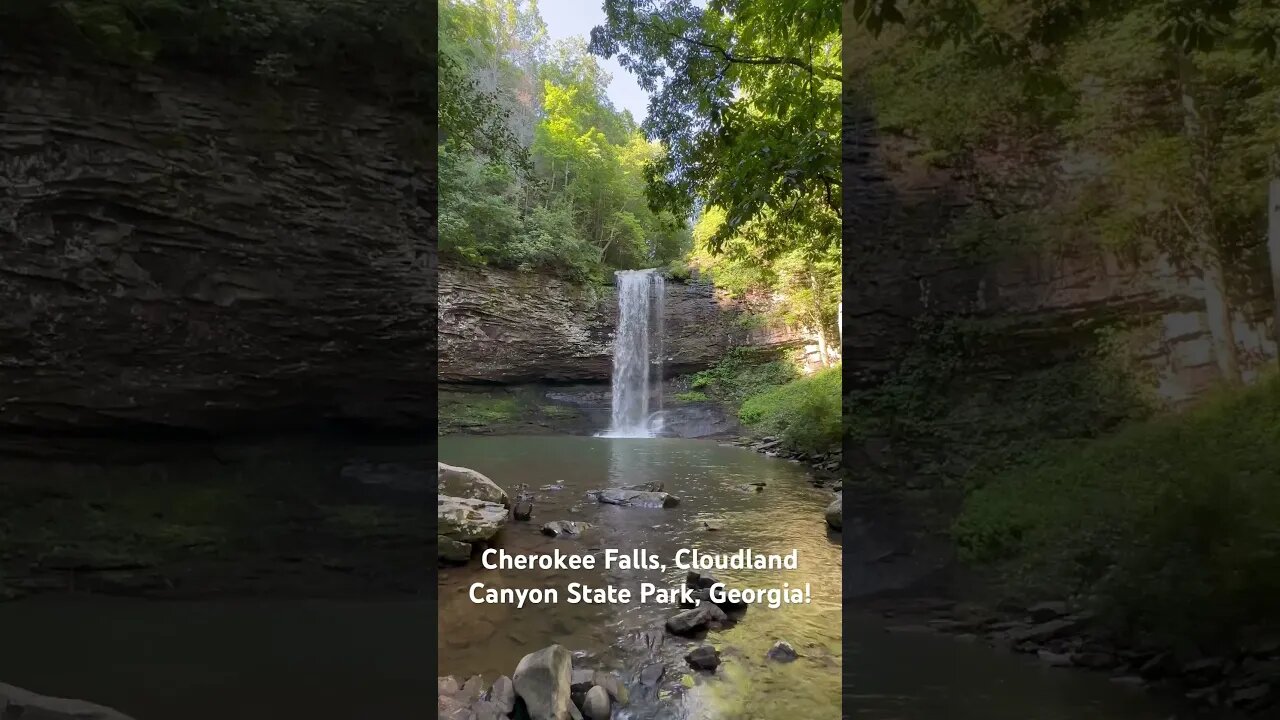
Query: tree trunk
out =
(1201, 226)
(1273, 250)
(819, 322)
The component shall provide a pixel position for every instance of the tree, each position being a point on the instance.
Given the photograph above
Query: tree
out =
(745, 99)
(1172, 102)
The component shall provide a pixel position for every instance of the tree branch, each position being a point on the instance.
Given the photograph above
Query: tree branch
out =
(758, 59)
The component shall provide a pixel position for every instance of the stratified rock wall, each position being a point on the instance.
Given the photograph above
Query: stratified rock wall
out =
(204, 253)
(502, 326)
(1047, 304)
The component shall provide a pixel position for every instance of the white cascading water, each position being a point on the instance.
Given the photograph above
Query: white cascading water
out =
(637, 355)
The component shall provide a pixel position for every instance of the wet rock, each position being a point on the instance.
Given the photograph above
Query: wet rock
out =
(472, 689)
(451, 551)
(1046, 611)
(835, 513)
(1250, 696)
(690, 622)
(523, 510)
(1095, 660)
(698, 580)
(712, 525)
(1054, 659)
(1043, 632)
(751, 488)
(468, 520)
(653, 487)
(542, 681)
(18, 703)
(636, 498)
(596, 706)
(564, 528)
(651, 675)
(704, 657)
(467, 483)
(782, 652)
(699, 595)
(617, 691)
(503, 695)
(1160, 666)
(487, 710)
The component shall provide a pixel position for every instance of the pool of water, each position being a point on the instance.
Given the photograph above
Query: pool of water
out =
(213, 660)
(712, 484)
(889, 675)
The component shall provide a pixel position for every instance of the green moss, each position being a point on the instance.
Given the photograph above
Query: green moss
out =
(693, 396)
(559, 412)
(465, 410)
(1171, 524)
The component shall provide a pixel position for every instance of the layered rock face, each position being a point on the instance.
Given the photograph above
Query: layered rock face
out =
(1048, 304)
(500, 326)
(200, 253)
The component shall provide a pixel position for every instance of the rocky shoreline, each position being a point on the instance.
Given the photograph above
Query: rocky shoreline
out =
(1060, 635)
(824, 469)
(555, 684)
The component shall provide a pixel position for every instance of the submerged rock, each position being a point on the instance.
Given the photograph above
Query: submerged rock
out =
(467, 483)
(705, 658)
(542, 681)
(835, 513)
(523, 509)
(652, 674)
(452, 551)
(467, 520)
(655, 486)
(636, 498)
(689, 622)
(564, 528)
(18, 703)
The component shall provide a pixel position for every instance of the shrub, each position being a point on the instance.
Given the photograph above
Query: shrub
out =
(1172, 524)
(693, 396)
(804, 413)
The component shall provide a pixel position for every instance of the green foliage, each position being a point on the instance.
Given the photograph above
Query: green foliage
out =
(578, 207)
(997, 416)
(463, 410)
(1170, 523)
(746, 103)
(741, 374)
(373, 40)
(804, 413)
(693, 396)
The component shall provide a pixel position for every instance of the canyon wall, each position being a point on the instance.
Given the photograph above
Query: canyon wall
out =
(507, 327)
(1046, 303)
(181, 251)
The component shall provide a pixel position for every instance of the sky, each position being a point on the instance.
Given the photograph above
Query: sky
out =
(567, 18)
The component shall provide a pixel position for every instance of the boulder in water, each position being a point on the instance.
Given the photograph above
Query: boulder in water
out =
(451, 551)
(655, 486)
(652, 674)
(542, 681)
(636, 498)
(690, 622)
(782, 652)
(18, 703)
(596, 706)
(564, 528)
(835, 513)
(467, 520)
(467, 483)
(704, 658)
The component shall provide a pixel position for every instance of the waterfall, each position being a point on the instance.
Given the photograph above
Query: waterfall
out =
(637, 355)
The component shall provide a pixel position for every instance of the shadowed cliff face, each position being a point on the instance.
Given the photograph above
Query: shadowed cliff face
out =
(1046, 302)
(198, 253)
(500, 326)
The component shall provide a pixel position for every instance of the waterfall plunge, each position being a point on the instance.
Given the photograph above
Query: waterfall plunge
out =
(637, 355)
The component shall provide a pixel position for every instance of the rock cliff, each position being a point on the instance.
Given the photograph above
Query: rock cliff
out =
(501, 326)
(899, 268)
(194, 252)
